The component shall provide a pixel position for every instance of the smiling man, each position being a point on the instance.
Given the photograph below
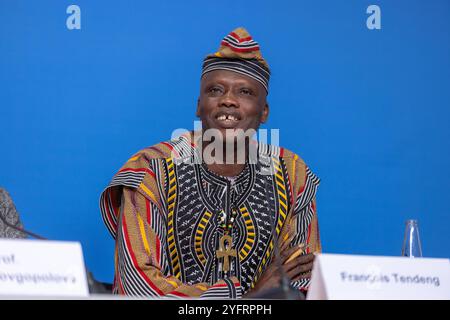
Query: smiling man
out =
(214, 214)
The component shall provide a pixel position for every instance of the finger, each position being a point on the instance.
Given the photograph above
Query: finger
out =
(293, 269)
(299, 261)
(291, 265)
(306, 258)
(306, 275)
(302, 276)
(299, 272)
(293, 274)
(293, 256)
(306, 267)
(288, 253)
(301, 248)
(296, 267)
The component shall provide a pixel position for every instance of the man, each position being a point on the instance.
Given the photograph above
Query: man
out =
(8, 212)
(189, 224)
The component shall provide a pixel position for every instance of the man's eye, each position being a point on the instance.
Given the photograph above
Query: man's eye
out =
(215, 90)
(246, 91)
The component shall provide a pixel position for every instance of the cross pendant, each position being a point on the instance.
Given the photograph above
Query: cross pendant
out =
(225, 251)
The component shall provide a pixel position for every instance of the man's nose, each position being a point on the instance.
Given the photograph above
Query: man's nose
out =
(229, 100)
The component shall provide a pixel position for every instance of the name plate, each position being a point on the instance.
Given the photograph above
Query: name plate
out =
(42, 268)
(341, 277)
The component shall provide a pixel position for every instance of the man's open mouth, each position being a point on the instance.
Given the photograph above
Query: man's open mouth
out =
(227, 120)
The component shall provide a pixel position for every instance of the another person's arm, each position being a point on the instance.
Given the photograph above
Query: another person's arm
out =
(9, 213)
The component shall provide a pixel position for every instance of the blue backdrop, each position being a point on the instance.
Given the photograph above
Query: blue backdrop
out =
(368, 110)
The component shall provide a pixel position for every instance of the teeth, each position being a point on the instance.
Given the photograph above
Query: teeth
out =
(228, 118)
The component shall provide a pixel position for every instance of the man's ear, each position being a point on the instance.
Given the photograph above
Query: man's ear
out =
(265, 113)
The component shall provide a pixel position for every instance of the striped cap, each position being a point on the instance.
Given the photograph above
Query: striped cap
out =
(239, 53)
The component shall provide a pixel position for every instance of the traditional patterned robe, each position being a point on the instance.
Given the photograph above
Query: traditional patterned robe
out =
(163, 211)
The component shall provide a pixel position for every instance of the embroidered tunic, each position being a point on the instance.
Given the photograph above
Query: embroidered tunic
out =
(165, 208)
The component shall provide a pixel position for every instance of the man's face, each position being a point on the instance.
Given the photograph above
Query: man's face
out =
(230, 101)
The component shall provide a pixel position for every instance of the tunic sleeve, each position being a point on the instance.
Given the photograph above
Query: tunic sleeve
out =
(304, 223)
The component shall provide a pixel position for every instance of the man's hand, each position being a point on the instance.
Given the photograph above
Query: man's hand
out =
(296, 269)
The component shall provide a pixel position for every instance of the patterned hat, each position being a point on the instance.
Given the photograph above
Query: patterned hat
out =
(239, 53)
